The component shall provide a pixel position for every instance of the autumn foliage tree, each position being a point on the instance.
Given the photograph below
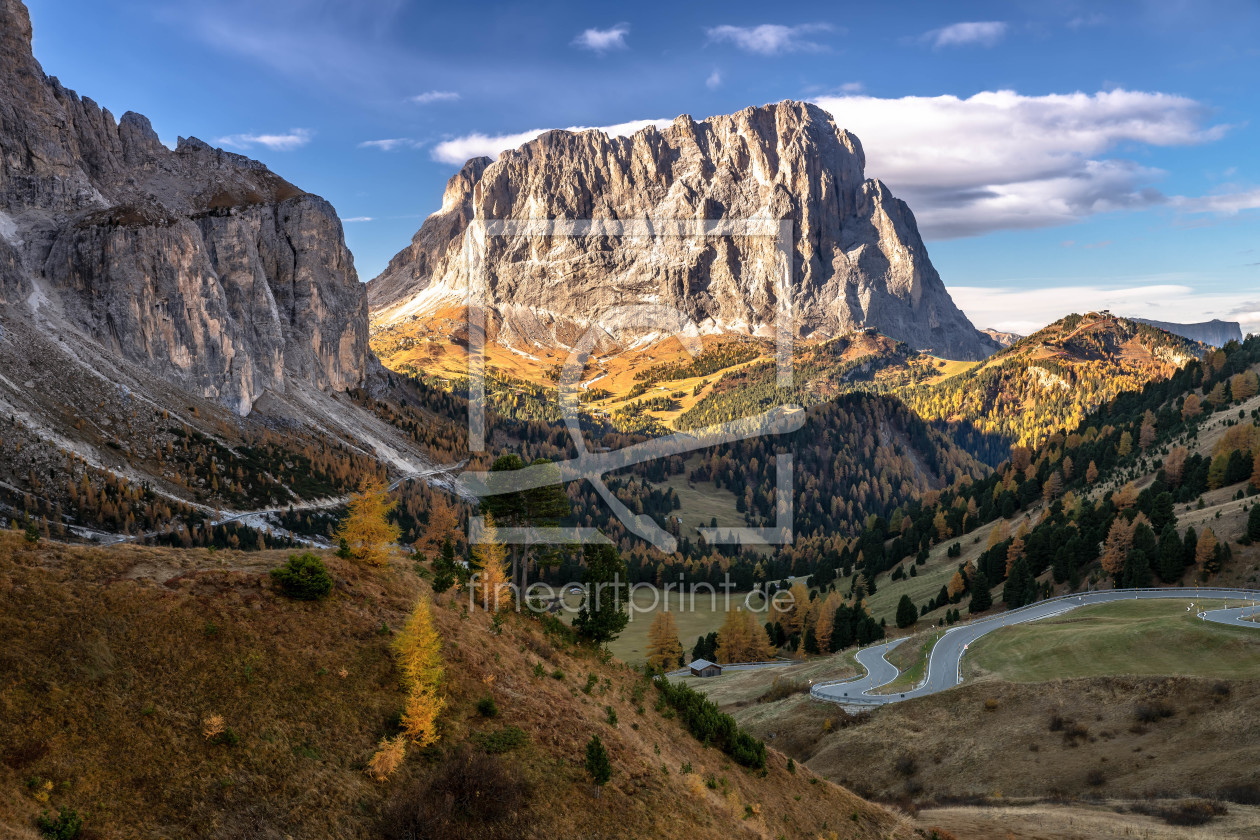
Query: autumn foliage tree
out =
(490, 558)
(367, 531)
(741, 639)
(418, 650)
(664, 649)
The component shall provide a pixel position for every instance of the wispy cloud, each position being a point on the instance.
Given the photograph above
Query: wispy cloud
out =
(771, 38)
(1156, 298)
(459, 149)
(985, 33)
(295, 139)
(429, 97)
(999, 160)
(603, 40)
(392, 143)
(714, 80)
(1223, 204)
(358, 219)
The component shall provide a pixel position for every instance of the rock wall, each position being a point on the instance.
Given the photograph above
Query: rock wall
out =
(200, 264)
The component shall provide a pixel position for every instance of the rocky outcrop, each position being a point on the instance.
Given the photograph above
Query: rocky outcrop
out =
(1215, 333)
(858, 259)
(199, 264)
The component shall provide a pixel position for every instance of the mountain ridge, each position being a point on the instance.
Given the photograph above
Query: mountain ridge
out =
(858, 259)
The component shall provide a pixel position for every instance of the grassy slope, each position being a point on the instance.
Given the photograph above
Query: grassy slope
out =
(1142, 637)
(964, 746)
(107, 674)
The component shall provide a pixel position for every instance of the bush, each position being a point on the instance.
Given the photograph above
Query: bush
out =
(504, 740)
(1151, 712)
(782, 688)
(303, 577)
(486, 707)
(1095, 777)
(709, 725)
(471, 795)
(65, 826)
(905, 765)
(1194, 812)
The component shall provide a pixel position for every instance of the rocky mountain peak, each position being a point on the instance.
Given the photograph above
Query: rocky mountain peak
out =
(200, 265)
(858, 259)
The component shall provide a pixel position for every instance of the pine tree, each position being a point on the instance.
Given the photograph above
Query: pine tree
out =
(664, 650)
(1137, 570)
(597, 763)
(490, 558)
(907, 613)
(1020, 588)
(602, 616)
(366, 529)
(419, 653)
(1162, 512)
(981, 599)
(445, 570)
(1253, 522)
(1171, 555)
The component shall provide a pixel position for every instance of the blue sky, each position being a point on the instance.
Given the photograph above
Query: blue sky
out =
(1059, 155)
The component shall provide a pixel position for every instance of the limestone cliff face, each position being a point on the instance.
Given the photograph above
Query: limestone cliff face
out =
(199, 264)
(858, 259)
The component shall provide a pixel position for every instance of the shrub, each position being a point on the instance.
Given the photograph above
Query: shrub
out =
(1095, 777)
(612, 715)
(1151, 712)
(782, 688)
(471, 795)
(905, 765)
(486, 707)
(709, 725)
(65, 826)
(303, 577)
(504, 740)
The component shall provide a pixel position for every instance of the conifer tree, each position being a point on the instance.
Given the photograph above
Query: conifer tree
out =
(907, 614)
(602, 616)
(664, 650)
(490, 559)
(1253, 522)
(981, 600)
(419, 653)
(598, 764)
(1171, 555)
(1205, 549)
(367, 532)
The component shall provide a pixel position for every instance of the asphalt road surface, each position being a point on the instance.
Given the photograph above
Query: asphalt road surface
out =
(945, 663)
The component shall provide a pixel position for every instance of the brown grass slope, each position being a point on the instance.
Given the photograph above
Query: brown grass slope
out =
(111, 664)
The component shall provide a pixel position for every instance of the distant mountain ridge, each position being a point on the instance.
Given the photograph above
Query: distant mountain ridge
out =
(1216, 332)
(859, 261)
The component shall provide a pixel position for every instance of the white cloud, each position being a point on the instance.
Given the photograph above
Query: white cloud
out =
(852, 87)
(358, 219)
(1000, 160)
(985, 33)
(460, 149)
(770, 38)
(295, 139)
(392, 143)
(429, 97)
(1157, 300)
(1225, 204)
(714, 80)
(603, 40)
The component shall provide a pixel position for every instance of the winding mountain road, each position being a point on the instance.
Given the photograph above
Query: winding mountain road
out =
(944, 669)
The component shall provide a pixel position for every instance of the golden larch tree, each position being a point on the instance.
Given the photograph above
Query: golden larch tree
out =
(366, 528)
(1116, 546)
(664, 649)
(1091, 473)
(418, 649)
(1205, 549)
(491, 559)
